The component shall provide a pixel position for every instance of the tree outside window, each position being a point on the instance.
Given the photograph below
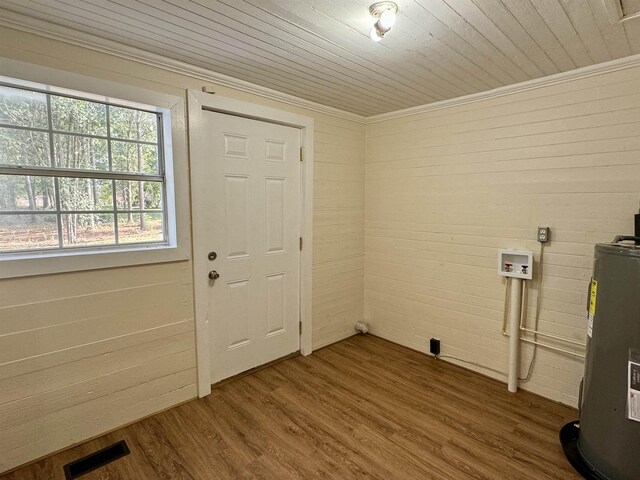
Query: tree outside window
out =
(77, 173)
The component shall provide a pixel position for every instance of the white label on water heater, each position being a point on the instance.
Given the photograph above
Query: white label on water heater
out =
(633, 402)
(593, 296)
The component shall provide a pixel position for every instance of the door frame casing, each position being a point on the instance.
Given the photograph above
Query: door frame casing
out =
(198, 103)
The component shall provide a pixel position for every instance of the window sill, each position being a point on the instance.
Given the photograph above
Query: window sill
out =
(46, 263)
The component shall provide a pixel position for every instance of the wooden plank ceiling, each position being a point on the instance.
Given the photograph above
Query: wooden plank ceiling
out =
(320, 50)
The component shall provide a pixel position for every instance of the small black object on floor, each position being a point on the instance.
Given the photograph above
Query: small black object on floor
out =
(98, 459)
(434, 346)
(569, 440)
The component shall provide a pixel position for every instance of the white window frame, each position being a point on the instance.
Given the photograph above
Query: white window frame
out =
(177, 246)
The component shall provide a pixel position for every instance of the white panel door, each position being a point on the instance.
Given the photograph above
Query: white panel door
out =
(253, 226)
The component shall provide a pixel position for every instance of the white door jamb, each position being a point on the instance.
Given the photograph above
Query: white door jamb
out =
(198, 102)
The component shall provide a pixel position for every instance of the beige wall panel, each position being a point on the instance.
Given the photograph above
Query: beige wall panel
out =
(18, 388)
(24, 290)
(22, 418)
(113, 346)
(60, 337)
(115, 303)
(446, 189)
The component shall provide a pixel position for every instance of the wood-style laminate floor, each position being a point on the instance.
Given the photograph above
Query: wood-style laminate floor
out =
(363, 408)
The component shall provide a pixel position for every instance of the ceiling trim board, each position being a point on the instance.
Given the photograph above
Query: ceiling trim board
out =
(616, 12)
(57, 32)
(562, 77)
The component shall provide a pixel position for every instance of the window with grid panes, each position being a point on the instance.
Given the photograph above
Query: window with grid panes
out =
(78, 174)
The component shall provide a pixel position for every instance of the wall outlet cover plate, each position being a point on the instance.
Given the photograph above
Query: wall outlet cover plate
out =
(543, 234)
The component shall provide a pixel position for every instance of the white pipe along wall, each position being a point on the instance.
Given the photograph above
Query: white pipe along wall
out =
(515, 309)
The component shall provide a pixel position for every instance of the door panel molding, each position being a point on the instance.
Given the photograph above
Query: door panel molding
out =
(198, 103)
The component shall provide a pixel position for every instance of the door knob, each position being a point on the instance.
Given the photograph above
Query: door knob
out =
(213, 275)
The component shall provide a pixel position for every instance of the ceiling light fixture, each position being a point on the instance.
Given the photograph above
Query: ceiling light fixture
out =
(385, 15)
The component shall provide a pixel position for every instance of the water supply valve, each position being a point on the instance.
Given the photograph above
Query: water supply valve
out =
(515, 263)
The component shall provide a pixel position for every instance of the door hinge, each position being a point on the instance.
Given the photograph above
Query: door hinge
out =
(300, 243)
(301, 154)
(300, 326)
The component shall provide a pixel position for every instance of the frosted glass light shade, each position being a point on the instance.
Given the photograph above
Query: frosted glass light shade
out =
(387, 19)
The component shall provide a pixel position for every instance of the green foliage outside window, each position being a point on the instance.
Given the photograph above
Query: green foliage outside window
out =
(61, 140)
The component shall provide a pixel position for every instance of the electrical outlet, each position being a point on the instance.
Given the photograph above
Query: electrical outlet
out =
(434, 346)
(543, 234)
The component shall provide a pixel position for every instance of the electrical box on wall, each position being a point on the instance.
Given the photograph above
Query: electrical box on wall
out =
(543, 234)
(515, 263)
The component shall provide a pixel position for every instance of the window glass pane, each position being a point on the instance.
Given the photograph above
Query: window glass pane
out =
(73, 115)
(87, 229)
(128, 195)
(140, 228)
(28, 232)
(24, 147)
(134, 157)
(80, 194)
(84, 153)
(89, 136)
(133, 124)
(22, 107)
(18, 192)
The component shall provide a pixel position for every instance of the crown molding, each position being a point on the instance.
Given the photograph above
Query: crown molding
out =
(64, 34)
(28, 24)
(562, 77)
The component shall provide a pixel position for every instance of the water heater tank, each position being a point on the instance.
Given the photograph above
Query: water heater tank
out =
(609, 432)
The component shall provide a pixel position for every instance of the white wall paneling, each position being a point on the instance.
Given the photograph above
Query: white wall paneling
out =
(447, 187)
(82, 352)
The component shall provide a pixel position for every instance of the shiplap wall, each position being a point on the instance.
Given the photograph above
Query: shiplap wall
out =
(83, 353)
(446, 189)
